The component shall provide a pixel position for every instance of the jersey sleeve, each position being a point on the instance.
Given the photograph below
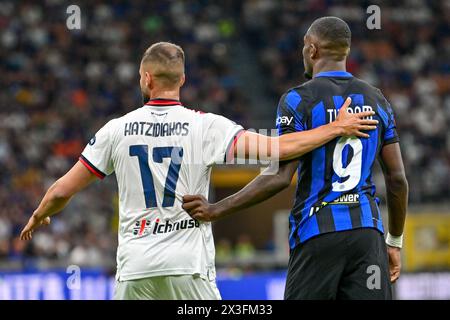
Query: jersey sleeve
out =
(289, 117)
(97, 155)
(388, 118)
(220, 135)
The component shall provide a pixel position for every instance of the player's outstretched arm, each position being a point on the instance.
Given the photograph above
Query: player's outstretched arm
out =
(397, 202)
(290, 146)
(57, 197)
(259, 189)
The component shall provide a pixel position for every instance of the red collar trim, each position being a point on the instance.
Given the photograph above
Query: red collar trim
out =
(163, 102)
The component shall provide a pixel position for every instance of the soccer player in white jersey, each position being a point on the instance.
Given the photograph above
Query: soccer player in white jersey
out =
(160, 152)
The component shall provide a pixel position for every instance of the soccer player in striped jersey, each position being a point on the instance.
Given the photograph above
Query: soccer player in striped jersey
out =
(336, 230)
(160, 152)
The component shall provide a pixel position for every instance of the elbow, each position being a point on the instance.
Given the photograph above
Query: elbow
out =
(285, 184)
(397, 181)
(283, 181)
(59, 193)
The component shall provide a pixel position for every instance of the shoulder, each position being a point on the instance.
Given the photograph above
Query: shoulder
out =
(382, 105)
(114, 124)
(193, 110)
(132, 114)
(201, 115)
(296, 97)
(298, 93)
(364, 85)
(380, 100)
(217, 120)
(194, 114)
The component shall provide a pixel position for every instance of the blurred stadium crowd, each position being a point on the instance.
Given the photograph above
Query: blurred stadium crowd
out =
(59, 87)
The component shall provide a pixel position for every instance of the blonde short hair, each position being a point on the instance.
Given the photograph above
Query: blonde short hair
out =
(166, 61)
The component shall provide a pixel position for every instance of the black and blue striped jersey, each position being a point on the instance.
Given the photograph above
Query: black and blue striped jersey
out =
(335, 191)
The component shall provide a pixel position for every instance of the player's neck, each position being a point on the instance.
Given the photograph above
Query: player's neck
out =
(165, 94)
(327, 65)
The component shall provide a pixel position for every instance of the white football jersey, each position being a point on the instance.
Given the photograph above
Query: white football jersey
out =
(159, 153)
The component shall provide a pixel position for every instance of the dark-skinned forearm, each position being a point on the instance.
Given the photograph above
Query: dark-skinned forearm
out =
(397, 201)
(259, 189)
(396, 187)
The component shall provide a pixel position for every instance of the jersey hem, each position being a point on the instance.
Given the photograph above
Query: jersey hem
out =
(318, 235)
(158, 273)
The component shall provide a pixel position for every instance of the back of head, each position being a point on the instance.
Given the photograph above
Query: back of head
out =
(333, 34)
(165, 62)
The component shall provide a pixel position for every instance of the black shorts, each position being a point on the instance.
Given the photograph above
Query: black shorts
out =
(349, 264)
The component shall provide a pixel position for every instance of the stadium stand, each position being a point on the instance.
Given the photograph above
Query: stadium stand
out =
(58, 90)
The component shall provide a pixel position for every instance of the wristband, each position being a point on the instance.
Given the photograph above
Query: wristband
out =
(394, 241)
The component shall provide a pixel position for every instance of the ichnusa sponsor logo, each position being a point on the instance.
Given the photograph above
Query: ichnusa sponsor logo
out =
(145, 227)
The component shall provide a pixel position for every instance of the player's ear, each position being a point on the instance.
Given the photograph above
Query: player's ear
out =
(182, 80)
(148, 80)
(313, 51)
